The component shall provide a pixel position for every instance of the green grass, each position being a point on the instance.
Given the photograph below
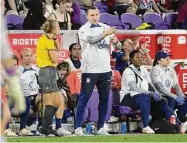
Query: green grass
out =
(114, 138)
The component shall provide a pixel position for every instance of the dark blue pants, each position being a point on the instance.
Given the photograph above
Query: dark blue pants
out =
(161, 109)
(25, 115)
(148, 106)
(102, 82)
(182, 109)
(139, 101)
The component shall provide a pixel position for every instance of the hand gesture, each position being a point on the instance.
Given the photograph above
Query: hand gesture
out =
(110, 31)
(114, 39)
(156, 96)
(180, 100)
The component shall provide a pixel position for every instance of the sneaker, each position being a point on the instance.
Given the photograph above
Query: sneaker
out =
(9, 133)
(183, 128)
(103, 132)
(106, 127)
(78, 132)
(148, 130)
(50, 135)
(25, 132)
(62, 132)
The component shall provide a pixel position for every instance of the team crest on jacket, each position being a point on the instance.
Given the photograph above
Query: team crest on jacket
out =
(167, 83)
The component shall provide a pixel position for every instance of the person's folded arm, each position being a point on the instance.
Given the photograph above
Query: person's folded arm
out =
(52, 55)
(160, 87)
(96, 38)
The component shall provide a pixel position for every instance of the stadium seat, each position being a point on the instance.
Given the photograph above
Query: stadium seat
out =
(102, 9)
(83, 18)
(112, 20)
(131, 20)
(91, 113)
(14, 22)
(156, 21)
(171, 17)
(120, 111)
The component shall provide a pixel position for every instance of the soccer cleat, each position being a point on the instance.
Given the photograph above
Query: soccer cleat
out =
(9, 133)
(62, 132)
(103, 132)
(148, 130)
(183, 128)
(78, 132)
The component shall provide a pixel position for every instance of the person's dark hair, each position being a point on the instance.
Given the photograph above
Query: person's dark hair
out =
(14, 57)
(132, 54)
(36, 12)
(72, 45)
(63, 65)
(90, 8)
(155, 62)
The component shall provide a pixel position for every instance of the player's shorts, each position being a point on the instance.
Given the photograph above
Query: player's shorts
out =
(47, 79)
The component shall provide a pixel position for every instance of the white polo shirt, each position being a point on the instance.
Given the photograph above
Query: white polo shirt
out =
(95, 57)
(129, 76)
(167, 76)
(28, 80)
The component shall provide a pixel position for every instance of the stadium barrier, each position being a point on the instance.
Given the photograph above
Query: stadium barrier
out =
(172, 41)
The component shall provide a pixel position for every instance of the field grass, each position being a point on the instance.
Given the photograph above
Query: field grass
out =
(113, 138)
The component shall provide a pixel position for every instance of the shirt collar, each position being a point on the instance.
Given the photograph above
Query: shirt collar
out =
(93, 25)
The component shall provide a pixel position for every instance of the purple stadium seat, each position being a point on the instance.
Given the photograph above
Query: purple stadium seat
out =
(131, 19)
(156, 21)
(14, 22)
(102, 9)
(171, 17)
(108, 18)
(119, 110)
(83, 18)
(161, 26)
(98, 3)
(112, 20)
(94, 104)
(91, 113)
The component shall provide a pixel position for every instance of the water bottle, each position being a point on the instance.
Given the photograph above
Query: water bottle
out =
(88, 128)
(123, 128)
(34, 127)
